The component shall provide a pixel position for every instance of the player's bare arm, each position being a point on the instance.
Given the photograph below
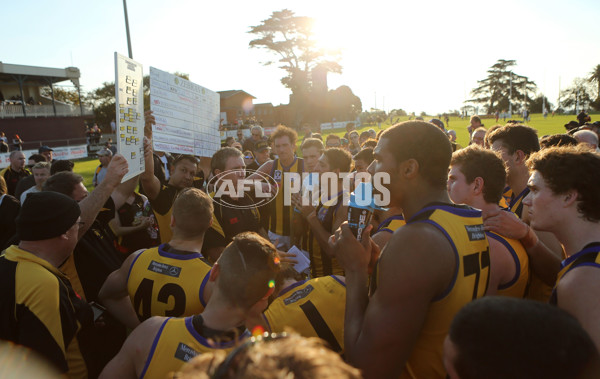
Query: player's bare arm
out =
(380, 332)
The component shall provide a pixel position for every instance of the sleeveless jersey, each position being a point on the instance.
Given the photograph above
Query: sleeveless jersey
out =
(589, 256)
(463, 227)
(506, 196)
(162, 206)
(281, 215)
(177, 342)
(313, 308)
(322, 264)
(518, 285)
(516, 203)
(391, 224)
(162, 283)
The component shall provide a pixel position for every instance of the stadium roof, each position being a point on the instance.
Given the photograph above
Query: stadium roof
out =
(37, 75)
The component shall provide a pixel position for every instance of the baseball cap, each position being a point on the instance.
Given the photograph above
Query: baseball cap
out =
(261, 146)
(572, 125)
(437, 122)
(44, 148)
(103, 152)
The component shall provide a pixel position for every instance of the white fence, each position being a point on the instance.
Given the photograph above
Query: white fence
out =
(63, 152)
(62, 110)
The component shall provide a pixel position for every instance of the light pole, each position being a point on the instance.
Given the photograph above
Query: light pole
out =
(127, 29)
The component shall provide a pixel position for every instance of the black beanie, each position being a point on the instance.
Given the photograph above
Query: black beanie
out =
(46, 215)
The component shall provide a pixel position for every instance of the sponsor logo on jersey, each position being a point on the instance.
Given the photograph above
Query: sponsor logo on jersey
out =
(300, 294)
(184, 352)
(165, 269)
(475, 232)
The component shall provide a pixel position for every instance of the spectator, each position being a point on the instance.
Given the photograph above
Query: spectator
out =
(17, 142)
(29, 181)
(258, 134)
(557, 140)
(475, 123)
(363, 159)
(110, 146)
(583, 117)
(9, 209)
(3, 143)
(104, 156)
(248, 157)
(229, 141)
(41, 172)
(47, 153)
(587, 137)
(364, 136)
(15, 171)
(262, 152)
(478, 137)
(333, 140)
(61, 165)
(354, 146)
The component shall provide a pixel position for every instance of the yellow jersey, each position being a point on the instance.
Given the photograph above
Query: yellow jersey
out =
(391, 224)
(516, 202)
(163, 281)
(280, 215)
(506, 196)
(518, 285)
(162, 206)
(589, 256)
(463, 227)
(321, 264)
(313, 308)
(176, 342)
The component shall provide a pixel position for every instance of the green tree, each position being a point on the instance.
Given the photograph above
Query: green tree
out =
(595, 78)
(290, 39)
(103, 99)
(342, 104)
(64, 95)
(502, 87)
(537, 104)
(578, 96)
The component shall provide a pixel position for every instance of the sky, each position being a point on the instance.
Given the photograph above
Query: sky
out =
(417, 56)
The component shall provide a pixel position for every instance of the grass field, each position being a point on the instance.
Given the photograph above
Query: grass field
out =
(550, 125)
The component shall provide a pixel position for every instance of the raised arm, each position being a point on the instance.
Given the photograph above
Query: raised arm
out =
(150, 182)
(91, 205)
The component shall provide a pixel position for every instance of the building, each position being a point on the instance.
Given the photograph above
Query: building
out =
(37, 119)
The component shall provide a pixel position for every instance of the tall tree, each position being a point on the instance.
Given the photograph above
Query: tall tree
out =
(595, 78)
(578, 96)
(290, 38)
(65, 95)
(502, 87)
(537, 104)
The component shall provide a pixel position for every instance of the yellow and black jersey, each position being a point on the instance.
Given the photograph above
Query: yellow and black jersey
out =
(588, 257)
(313, 308)
(463, 228)
(178, 340)
(42, 311)
(163, 281)
(506, 196)
(391, 224)
(162, 206)
(321, 264)
(11, 177)
(516, 202)
(280, 215)
(517, 286)
(229, 221)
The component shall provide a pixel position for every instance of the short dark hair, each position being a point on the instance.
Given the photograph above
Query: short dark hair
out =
(192, 211)
(487, 142)
(338, 159)
(61, 165)
(313, 142)
(219, 159)
(63, 182)
(425, 143)
(475, 162)
(502, 337)
(184, 157)
(557, 140)
(365, 154)
(332, 136)
(283, 131)
(568, 168)
(370, 143)
(37, 158)
(516, 137)
(248, 265)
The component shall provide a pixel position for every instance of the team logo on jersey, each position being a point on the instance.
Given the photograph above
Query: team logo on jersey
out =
(300, 294)
(475, 232)
(184, 352)
(165, 269)
(277, 175)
